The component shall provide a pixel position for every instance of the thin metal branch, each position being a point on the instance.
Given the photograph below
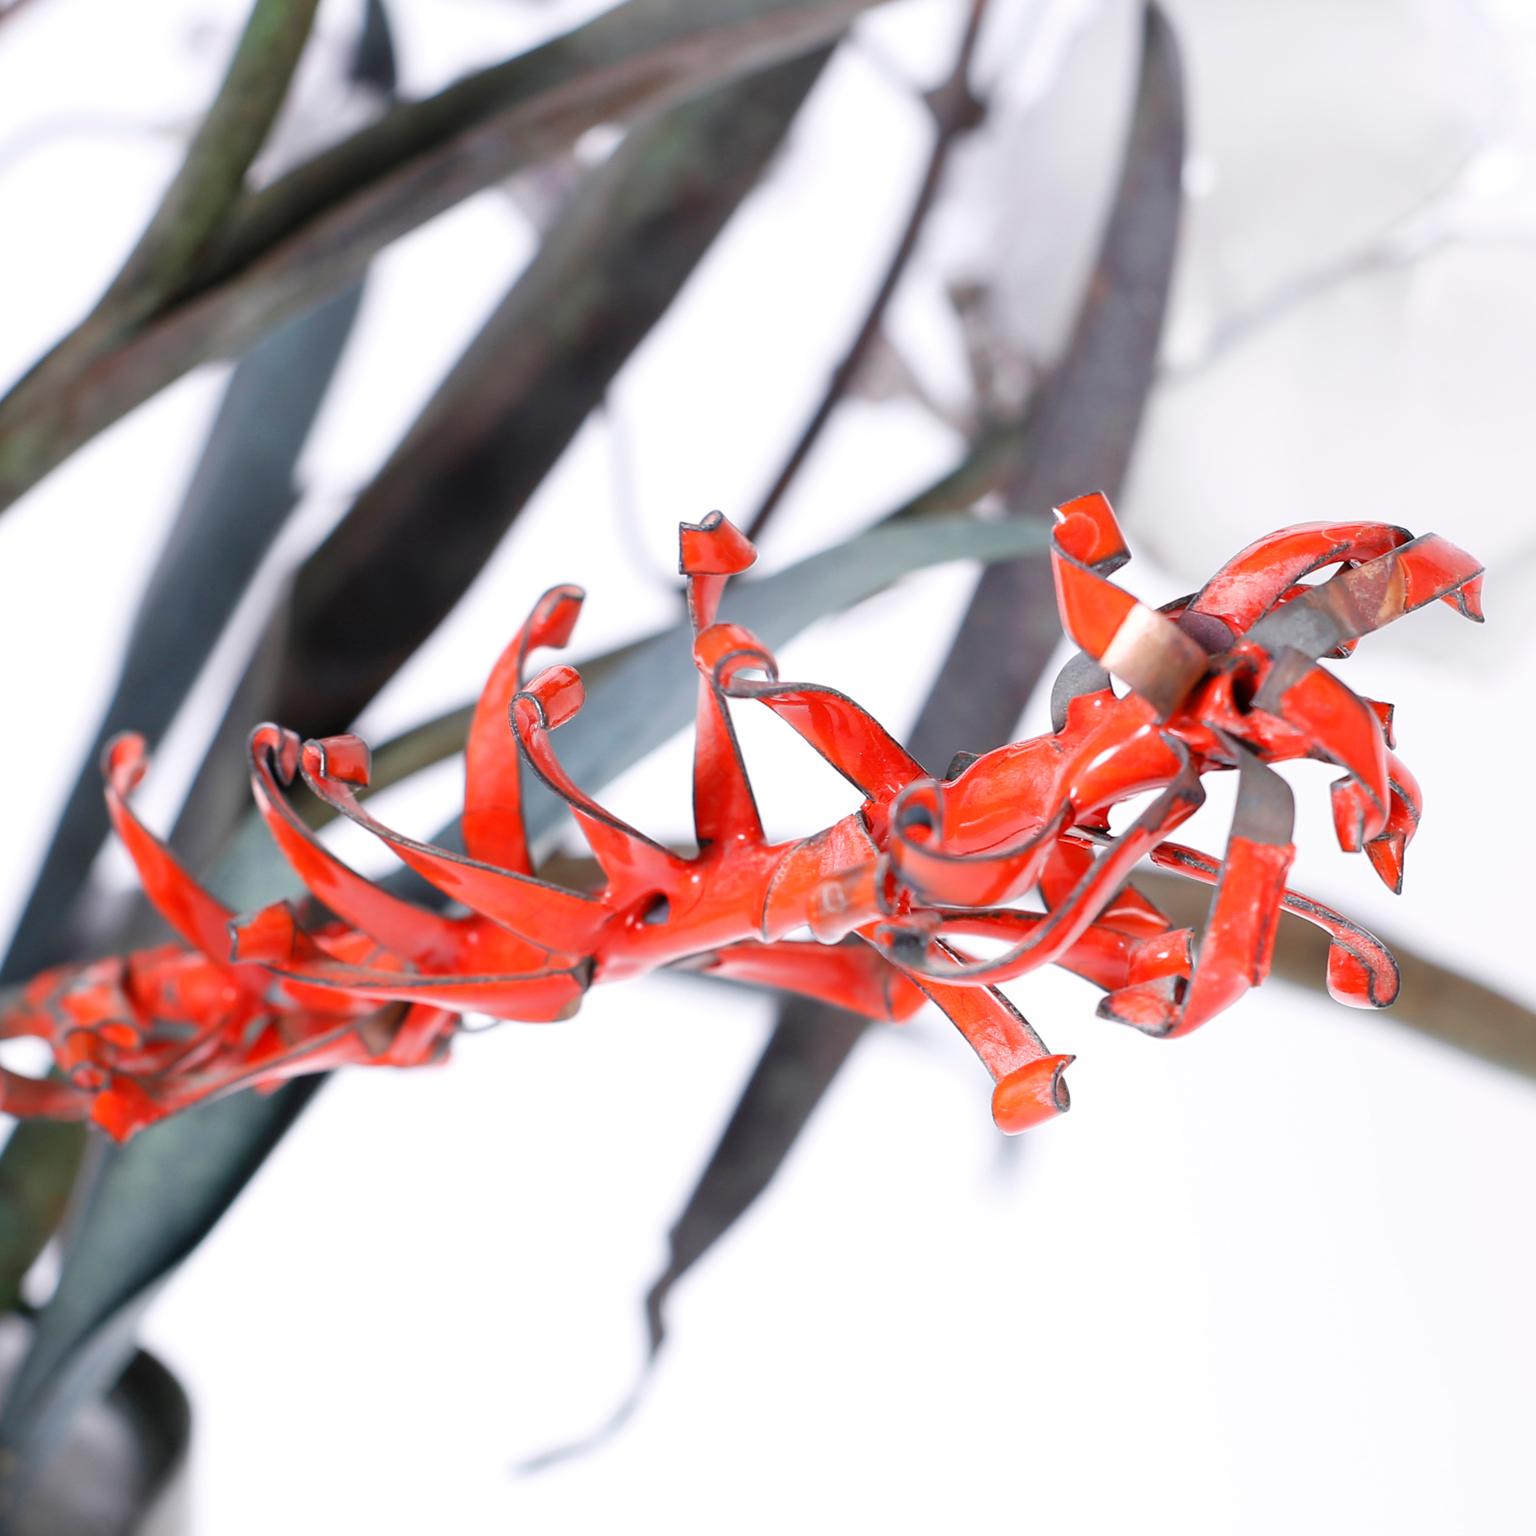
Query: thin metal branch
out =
(956, 110)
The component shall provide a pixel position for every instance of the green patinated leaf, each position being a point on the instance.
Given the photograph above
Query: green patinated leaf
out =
(312, 232)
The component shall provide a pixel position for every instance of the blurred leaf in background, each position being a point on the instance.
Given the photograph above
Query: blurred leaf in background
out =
(608, 269)
(203, 285)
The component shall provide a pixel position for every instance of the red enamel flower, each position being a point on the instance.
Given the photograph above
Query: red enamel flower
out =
(894, 897)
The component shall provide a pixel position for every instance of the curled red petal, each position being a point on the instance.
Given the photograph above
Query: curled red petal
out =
(1031, 1095)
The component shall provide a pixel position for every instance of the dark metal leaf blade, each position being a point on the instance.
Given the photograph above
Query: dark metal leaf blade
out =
(241, 494)
(1080, 436)
(311, 233)
(609, 269)
(418, 535)
(42, 427)
(153, 1202)
(1083, 428)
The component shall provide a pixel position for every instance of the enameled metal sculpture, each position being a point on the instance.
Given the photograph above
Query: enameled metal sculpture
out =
(890, 896)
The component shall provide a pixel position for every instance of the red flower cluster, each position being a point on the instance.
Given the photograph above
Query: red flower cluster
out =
(1226, 679)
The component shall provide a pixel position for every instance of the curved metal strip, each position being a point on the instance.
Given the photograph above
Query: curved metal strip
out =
(634, 864)
(1239, 937)
(709, 553)
(1030, 1087)
(545, 915)
(724, 807)
(493, 786)
(1371, 595)
(193, 912)
(847, 975)
(842, 732)
(1361, 970)
(405, 929)
(1147, 651)
(1342, 728)
(1258, 577)
(274, 940)
(1065, 924)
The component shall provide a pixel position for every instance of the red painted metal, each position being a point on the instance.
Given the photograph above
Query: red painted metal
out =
(891, 895)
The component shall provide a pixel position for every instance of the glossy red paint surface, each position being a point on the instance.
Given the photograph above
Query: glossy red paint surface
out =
(1229, 679)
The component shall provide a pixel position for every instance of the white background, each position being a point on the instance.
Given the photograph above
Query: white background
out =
(1274, 1277)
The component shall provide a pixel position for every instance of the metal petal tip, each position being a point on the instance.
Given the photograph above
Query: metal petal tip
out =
(1031, 1095)
(1149, 1006)
(1358, 985)
(124, 762)
(1386, 856)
